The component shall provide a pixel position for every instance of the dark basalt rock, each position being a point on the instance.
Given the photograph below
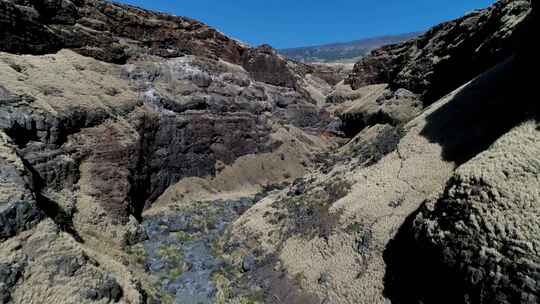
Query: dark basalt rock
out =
(10, 273)
(427, 65)
(248, 263)
(109, 290)
(22, 32)
(68, 265)
(39, 136)
(264, 64)
(18, 205)
(331, 73)
(101, 29)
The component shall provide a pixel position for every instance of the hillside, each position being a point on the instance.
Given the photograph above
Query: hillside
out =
(147, 158)
(344, 52)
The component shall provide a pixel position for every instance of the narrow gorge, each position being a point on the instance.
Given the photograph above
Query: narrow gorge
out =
(149, 158)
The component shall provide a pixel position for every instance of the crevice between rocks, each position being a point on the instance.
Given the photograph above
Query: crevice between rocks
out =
(401, 166)
(51, 209)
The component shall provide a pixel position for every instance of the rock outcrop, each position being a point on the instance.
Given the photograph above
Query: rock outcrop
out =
(114, 32)
(10, 273)
(18, 205)
(107, 31)
(154, 122)
(446, 56)
(379, 107)
(481, 232)
(264, 64)
(102, 108)
(440, 209)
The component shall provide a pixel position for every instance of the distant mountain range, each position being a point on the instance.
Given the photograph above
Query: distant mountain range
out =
(344, 51)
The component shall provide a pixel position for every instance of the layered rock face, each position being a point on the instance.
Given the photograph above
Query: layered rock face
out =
(167, 122)
(182, 126)
(115, 33)
(87, 144)
(107, 31)
(18, 209)
(446, 56)
(483, 230)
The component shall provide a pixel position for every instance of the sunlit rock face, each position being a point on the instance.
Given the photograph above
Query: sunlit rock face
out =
(480, 233)
(446, 56)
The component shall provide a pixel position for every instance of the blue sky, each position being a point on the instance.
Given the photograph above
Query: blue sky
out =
(291, 23)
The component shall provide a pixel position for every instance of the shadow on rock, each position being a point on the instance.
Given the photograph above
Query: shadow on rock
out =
(61, 217)
(416, 274)
(483, 111)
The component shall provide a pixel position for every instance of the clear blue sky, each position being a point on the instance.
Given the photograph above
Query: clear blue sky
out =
(291, 23)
